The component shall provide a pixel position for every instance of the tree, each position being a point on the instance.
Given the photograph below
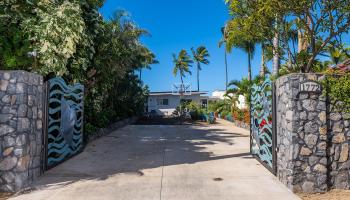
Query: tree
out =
(254, 21)
(223, 42)
(182, 63)
(72, 40)
(241, 87)
(317, 22)
(56, 32)
(249, 48)
(147, 58)
(14, 41)
(200, 56)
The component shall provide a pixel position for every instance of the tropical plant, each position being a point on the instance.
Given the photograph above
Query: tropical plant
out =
(241, 87)
(182, 63)
(219, 106)
(200, 56)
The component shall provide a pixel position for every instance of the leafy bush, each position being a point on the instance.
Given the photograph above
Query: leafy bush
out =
(71, 39)
(225, 113)
(338, 91)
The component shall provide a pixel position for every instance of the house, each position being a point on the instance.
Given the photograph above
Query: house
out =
(165, 103)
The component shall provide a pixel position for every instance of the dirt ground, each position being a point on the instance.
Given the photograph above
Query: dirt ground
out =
(331, 195)
(4, 196)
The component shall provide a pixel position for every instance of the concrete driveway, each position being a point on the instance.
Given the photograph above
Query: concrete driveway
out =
(141, 162)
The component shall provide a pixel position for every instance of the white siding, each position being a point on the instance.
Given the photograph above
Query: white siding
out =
(173, 102)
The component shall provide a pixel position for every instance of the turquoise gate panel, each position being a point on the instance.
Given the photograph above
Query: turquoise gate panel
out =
(65, 120)
(262, 129)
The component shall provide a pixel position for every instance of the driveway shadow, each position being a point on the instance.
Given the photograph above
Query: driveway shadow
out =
(135, 148)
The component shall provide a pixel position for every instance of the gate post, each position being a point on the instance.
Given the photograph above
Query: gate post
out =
(301, 134)
(21, 123)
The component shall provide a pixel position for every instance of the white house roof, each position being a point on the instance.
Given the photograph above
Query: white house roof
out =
(171, 93)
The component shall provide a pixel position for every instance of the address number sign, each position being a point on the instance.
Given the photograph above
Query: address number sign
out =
(310, 86)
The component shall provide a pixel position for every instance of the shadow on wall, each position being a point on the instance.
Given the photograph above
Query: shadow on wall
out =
(133, 149)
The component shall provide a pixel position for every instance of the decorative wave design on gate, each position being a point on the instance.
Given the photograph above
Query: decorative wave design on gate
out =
(261, 121)
(65, 120)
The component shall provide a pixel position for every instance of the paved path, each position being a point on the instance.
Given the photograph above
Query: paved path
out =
(163, 162)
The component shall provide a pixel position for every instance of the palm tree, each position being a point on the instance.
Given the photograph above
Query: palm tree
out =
(200, 55)
(241, 87)
(223, 42)
(249, 48)
(182, 64)
(276, 53)
(146, 59)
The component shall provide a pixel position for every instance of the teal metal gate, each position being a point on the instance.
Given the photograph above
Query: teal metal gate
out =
(262, 128)
(64, 121)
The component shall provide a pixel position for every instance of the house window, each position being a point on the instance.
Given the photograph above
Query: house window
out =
(163, 102)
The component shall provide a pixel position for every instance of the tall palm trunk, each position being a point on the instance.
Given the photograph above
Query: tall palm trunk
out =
(276, 56)
(182, 81)
(198, 76)
(226, 71)
(262, 66)
(249, 66)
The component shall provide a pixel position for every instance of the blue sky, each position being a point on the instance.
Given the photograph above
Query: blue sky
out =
(182, 24)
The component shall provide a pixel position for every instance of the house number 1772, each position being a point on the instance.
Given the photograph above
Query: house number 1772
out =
(310, 86)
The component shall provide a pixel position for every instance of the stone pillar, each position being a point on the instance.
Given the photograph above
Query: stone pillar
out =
(339, 135)
(21, 114)
(301, 135)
